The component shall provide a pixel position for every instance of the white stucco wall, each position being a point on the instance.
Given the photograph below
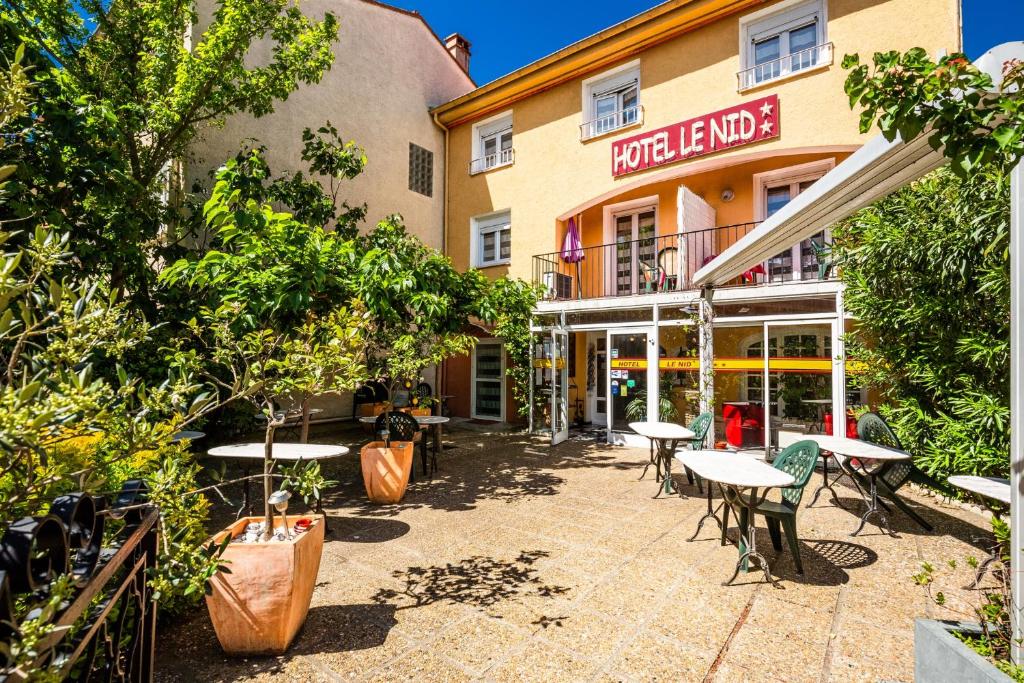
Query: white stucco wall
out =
(389, 69)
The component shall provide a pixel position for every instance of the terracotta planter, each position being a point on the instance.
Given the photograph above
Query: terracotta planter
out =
(260, 606)
(386, 470)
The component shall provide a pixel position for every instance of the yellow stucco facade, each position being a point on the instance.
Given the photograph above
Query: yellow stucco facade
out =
(556, 175)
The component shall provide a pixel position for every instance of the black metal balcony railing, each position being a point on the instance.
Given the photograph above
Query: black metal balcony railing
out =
(666, 263)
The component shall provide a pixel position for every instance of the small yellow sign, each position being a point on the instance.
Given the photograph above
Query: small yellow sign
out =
(628, 364)
(679, 364)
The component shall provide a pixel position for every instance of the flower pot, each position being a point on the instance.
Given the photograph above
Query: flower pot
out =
(940, 657)
(386, 470)
(260, 606)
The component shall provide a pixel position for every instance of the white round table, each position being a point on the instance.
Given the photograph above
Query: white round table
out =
(745, 483)
(986, 489)
(187, 435)
(665, 436)
(290, 452)
(879, 459)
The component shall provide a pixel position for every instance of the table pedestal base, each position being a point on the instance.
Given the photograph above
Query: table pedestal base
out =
(874, 509)
(712, 513)
(745, 508)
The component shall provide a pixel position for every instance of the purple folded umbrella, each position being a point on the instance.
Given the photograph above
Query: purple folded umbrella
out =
(572, 252)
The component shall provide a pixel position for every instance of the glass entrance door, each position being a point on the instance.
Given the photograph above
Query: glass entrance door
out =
(799, 381)
(549, 400)
(627, 377)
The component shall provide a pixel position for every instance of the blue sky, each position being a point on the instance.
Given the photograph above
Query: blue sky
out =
(506, 35)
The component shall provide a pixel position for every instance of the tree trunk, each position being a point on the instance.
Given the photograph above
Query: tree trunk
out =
(268, 463)
(304, 434)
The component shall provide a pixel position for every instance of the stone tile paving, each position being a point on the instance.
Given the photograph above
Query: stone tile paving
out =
(523, 562)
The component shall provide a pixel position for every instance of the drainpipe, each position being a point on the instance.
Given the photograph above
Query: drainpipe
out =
(441, 372)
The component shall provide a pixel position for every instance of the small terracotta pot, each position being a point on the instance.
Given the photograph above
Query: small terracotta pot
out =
(386, 470)
(260, 606)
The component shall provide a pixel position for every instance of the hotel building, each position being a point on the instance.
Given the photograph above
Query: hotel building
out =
(659, 142)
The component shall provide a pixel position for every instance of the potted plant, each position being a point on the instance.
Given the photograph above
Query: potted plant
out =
(975, 650)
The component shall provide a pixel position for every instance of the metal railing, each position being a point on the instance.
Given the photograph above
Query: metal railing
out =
(106, 629)
(819, 55)
(505, 157)
(610, 122)
(666, 263)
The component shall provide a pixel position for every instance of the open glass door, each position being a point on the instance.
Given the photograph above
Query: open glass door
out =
(560, 393)
(799, 381)
(628, 365)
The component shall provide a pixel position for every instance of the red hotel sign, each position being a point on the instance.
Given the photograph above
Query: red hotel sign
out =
(743, 124)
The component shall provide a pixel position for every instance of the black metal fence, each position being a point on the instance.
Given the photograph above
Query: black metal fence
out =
(105, 629)
(666, 263)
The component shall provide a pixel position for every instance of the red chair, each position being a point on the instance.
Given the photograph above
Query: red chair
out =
(851, 425)
(744, 425)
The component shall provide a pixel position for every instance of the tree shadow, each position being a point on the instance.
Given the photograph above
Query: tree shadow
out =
(475, 581)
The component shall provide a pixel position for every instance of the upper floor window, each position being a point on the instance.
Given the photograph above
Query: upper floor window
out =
(421, 170)
(492, 143)
(492, 239)
(781, 41)
(611, 101)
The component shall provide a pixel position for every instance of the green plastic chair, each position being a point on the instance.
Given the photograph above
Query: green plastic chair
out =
(824, 258)
(700, 427)
(798, 460)
(873, 428)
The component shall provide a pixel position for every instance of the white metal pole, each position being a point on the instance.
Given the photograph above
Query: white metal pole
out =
(1016, 405)
(706, 373)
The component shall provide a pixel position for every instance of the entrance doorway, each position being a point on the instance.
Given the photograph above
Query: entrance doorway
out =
(597, 378)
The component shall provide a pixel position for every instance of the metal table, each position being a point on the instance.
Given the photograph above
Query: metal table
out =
(872, 460)
(665, 436)
(187, 435)
(712, 512)
(289, 452)
(736, 474)
(987, 490)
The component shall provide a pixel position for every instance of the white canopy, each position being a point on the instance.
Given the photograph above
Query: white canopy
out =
(874, 171)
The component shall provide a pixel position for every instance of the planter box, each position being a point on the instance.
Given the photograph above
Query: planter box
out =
(940, 657)
(260, 606)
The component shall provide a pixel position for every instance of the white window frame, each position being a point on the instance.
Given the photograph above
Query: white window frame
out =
(496, 222)
(494, 126)
(615, 82)
(780, 19)
(792, 176)
(473, 379)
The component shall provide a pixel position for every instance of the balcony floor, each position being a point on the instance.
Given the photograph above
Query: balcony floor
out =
(521, 562)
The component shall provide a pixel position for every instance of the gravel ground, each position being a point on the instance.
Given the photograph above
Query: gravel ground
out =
(524, 562)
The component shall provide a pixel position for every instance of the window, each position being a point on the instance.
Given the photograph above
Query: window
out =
(492, 144)
(421, 170)
(611, 101)
(488, 380)
(492, 239)
(781, 41)
(776, 189)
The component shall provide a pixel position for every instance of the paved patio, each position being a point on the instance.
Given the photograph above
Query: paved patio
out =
(521, 562)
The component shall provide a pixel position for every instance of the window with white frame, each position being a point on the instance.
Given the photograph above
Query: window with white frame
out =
(783, 40)
(488, 380)
(492, 239)
(611, 101)
(492, 143)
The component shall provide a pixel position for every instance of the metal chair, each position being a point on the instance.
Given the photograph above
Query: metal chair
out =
(873, 428)
(824, 257)
(700, 427)
(402, 427)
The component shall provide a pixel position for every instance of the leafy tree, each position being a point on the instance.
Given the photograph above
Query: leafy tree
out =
(927, 269)
(124, 88)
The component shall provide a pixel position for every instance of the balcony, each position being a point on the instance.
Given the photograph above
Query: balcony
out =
(505, 157)
(776, 69)
(666, 263)
(608, 123)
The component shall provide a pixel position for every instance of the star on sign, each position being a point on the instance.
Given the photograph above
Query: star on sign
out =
(766, 128)
(766, 110)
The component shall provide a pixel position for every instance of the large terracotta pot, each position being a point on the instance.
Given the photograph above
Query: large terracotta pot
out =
(386, 470)
(260, 606)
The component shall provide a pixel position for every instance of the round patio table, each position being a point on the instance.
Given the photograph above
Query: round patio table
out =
(987, 490)
(289, 452)
(664, 436)
(187, 435)
(744, 482)
(872, 460)
(712, 513)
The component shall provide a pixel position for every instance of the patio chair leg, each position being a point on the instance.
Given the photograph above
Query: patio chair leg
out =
(774, 533)
(789, 528)
(910, 512)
